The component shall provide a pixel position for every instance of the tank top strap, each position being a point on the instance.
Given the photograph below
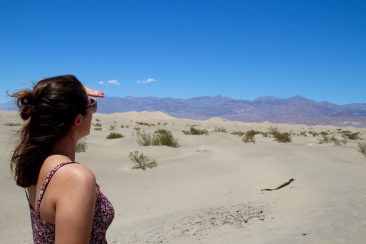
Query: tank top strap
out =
(47, 181)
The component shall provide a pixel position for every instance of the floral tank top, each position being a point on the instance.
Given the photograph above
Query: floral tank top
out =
(44, 232)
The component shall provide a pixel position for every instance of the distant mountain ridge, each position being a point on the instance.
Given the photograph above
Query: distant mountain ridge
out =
(292, 110)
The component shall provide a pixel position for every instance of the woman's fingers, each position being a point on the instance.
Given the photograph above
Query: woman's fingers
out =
(93, 93)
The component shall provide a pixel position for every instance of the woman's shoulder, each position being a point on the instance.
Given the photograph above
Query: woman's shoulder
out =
(77, 172)
(70, 173)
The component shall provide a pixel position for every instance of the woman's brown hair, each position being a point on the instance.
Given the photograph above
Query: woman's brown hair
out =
(48, 111)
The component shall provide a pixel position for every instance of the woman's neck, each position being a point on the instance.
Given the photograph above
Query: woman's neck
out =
(65, 146)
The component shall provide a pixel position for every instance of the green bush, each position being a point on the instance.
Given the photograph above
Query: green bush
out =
(98, 124)
(98, 128)
(141, 161)
(81, 146)
(362, 147)
(114, 135)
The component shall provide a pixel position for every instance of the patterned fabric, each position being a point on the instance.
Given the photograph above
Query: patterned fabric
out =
(44, 232)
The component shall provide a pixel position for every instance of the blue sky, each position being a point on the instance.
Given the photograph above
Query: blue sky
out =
(239, 49)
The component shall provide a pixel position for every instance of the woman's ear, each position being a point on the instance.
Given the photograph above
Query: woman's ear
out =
(77, 121)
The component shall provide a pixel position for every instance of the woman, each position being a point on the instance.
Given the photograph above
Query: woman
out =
(65, 202)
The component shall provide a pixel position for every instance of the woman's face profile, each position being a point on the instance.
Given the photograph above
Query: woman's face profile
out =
(88, 117)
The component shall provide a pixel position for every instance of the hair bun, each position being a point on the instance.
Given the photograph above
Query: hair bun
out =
(26, 102)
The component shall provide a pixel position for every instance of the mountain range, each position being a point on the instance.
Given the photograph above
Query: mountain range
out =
(292, 110)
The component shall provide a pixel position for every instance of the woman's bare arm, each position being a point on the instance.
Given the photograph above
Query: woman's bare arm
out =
(75, 205)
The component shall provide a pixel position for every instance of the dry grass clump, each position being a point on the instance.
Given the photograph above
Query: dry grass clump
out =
(313, 133)
(143, 138)
(165, 138)
(13, 124)
(324, 138)
(165, 123)
(249, 136)
(219, 129)
(362, 147)
(336, 141)
(143, 123)
(98, 126)
(141, 161)
(303, 133)
(239, 133)
(282, 137)
(272, 130)
(114, 135)
(81, 146)
(160, 137)
(113, 126)
(351, 135)
(195, 131)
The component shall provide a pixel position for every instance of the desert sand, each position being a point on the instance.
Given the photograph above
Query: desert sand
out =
(208, 190)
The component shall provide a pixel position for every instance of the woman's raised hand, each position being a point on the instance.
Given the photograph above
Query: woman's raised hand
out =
(93, 93)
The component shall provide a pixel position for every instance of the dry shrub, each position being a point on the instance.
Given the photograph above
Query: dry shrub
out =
(249, 136)
(282, 137)
(195, 131)
(362, 147)
(13, 124)
(81, 146)
(114, 135)
(219, 129)
(141, 161)
(160, 137)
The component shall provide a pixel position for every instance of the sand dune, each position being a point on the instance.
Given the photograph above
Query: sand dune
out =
(208, 190)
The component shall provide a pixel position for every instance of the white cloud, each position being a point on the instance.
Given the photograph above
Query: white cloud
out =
(113, 82)
(148, 80)
(101, 82)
